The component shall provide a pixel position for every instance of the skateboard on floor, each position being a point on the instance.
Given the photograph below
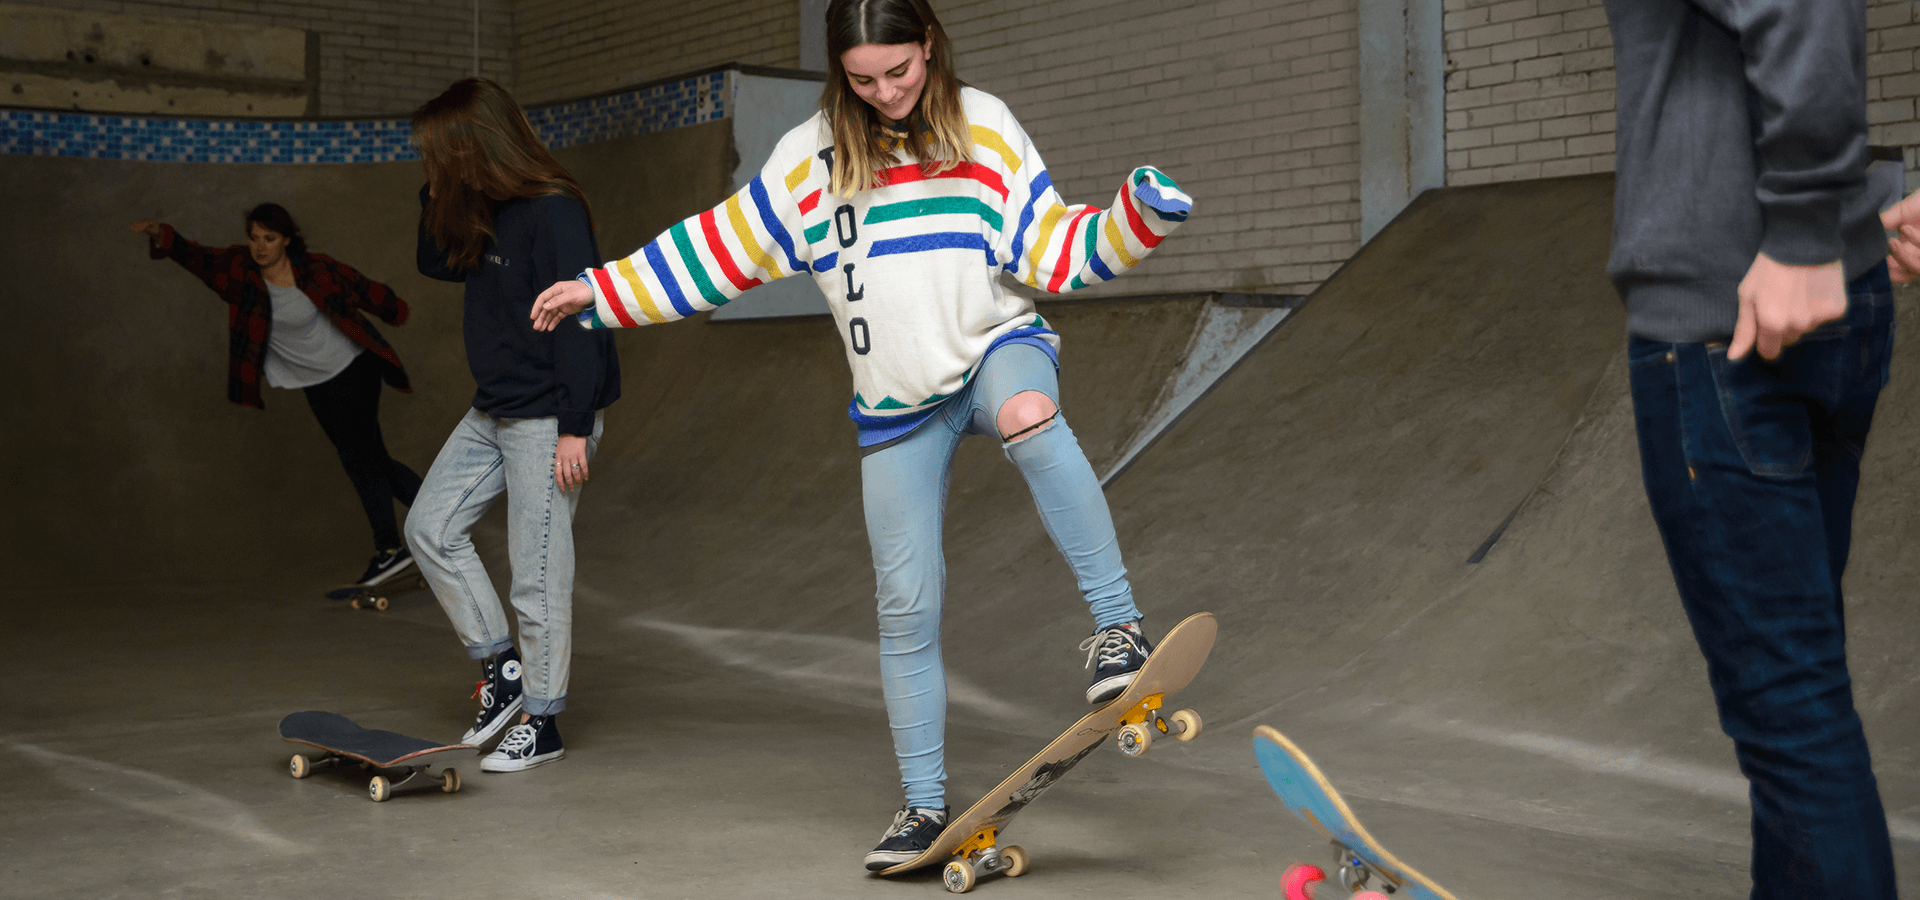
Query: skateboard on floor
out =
(970, 844)
(1361, 866)
(405, 761)
(380, 595)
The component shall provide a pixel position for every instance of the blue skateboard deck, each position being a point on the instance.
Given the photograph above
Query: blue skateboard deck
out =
(1306, 791)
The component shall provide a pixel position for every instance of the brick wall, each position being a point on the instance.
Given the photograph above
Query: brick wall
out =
(1530, 87)
(1251, 105)
(572, 48)
(377, 57)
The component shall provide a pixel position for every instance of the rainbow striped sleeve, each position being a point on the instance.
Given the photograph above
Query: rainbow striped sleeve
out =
(1060, 248)
(706, 261)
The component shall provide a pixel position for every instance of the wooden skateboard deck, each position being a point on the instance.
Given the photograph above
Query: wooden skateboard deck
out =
(971, 837)
(1363, 863)
(344, 741)
(380, 595)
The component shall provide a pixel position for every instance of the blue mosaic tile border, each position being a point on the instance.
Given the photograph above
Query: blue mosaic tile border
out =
(660, 107)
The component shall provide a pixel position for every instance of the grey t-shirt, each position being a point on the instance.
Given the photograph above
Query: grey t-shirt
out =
(303, 348)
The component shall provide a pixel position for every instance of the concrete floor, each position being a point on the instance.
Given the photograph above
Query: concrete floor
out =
(1532, 725)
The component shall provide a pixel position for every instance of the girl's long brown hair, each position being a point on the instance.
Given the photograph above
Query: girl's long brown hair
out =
(480, 151)
(936, 133)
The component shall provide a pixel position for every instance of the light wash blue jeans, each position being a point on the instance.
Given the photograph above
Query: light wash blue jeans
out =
(905, 491)
(484, 458)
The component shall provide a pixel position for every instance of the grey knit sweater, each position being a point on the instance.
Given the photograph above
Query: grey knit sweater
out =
(1742, 129)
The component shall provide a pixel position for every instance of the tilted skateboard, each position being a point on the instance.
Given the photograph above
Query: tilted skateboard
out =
(971, 838)
(1359, 859)
(378, 596)
(346, 743)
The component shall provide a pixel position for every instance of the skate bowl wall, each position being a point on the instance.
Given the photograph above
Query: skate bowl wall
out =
(129, 459)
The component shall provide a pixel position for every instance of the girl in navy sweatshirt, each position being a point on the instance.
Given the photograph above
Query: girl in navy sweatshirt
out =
(502, 217)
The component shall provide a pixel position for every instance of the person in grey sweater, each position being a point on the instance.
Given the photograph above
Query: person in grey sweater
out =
(1760, 320)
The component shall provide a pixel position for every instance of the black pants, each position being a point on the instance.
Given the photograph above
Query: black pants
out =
(348, 407)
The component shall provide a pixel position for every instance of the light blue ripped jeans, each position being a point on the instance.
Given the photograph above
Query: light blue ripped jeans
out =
(904, 486)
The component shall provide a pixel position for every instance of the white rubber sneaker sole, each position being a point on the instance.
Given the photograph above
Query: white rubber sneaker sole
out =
(495, 762)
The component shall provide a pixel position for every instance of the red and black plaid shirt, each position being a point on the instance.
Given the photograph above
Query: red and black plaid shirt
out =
(336, 290)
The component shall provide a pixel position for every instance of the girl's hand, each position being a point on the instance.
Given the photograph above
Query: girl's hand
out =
(565, 298)
(570, 461)
(152, 229)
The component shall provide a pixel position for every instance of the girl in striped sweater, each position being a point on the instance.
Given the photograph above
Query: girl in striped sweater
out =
(906, 198)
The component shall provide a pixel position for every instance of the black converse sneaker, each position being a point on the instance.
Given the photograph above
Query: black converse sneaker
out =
(534, 742)
(499, 694)
(385, 565)
(912, 832)
(1115, 654)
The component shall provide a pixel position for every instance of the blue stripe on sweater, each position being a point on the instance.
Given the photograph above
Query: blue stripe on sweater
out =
(664, 272)
(765, 205)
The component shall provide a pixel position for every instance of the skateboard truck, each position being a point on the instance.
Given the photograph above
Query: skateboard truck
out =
(416, 777)
(978, 857)
(1136, 736)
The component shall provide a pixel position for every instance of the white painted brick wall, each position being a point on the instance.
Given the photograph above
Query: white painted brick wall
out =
(377, 57)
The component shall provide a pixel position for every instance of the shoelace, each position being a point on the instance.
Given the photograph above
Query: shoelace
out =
(1111, 644)
(518, 738)
(483, 689)
(907, 824)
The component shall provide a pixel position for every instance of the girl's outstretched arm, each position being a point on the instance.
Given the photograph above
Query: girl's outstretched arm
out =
(1060, 248)
(697, 265)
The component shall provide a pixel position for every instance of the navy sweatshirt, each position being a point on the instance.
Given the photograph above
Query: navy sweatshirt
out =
(1742, 129)
(569, 372)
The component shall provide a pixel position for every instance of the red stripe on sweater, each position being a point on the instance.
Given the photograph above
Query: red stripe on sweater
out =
(607, 290)
(722, 255)
(1062, 269)
(913, 172)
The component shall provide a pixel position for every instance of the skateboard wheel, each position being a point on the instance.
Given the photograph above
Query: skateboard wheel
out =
(450, 781)
(298, 766)
(379, 788)
(1188, 722)
(380, 603)
(958, 877)
(1297, 881)
(1135, 739)
(355, 603)
(1016, 860)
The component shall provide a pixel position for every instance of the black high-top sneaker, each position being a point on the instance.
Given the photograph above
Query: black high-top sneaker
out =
(914, 829)
(385, 565)
(1114, 655)
(534, 742)
(499, 694)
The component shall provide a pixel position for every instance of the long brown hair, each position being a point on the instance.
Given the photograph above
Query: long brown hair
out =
(480, 152)
(935, 133)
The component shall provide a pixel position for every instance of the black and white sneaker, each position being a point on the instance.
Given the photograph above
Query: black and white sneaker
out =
(499, 694)
(386, 565)
(534, 742)
(912, 832)
(1115, 654)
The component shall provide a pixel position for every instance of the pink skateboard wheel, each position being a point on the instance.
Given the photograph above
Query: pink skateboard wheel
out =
(1295, 882)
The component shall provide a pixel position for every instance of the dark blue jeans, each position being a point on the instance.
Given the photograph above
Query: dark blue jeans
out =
(1751, 469)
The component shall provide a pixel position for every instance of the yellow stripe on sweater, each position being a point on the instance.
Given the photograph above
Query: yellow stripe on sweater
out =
(1119, 243)
(744, 232)
(640, 294)
(1047, 224)
(990, 139)
(799, 174)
